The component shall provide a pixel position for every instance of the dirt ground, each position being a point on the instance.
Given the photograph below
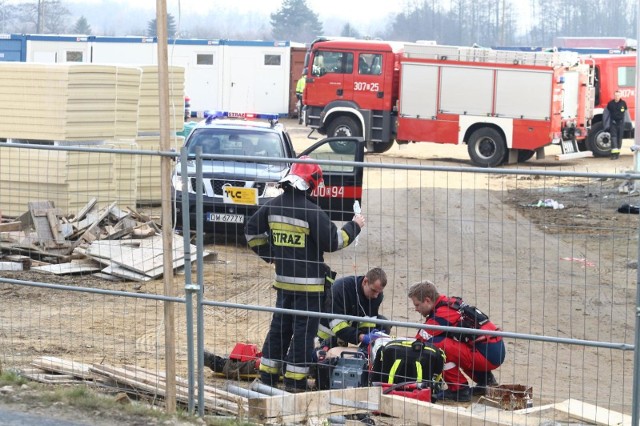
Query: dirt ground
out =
(561, 273)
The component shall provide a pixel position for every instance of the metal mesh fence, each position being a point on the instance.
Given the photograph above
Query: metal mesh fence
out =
(550, 256)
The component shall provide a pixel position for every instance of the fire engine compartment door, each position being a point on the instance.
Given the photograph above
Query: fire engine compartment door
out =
(419, 90)
(570, 98)
(342, 183)
(524, 94)
(466, 91)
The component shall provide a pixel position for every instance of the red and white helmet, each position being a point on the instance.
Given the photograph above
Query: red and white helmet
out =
(304, 176)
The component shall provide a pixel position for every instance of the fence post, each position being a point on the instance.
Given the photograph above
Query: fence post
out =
(200, 278)
(189, 288)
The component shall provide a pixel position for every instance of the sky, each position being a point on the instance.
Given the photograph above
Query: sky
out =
(367, 16)
(351, 10)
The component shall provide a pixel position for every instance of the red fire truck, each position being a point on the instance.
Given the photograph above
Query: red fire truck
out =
(506, 106)
(612, 72)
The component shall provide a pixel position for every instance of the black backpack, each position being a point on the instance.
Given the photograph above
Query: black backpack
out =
(405, 361)
(470, 317)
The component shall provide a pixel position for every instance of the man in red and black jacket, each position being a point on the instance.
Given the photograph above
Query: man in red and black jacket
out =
(476, 355)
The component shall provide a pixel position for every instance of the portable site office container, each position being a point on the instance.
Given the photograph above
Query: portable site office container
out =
(57, 49)
(256, 76)
(242, 76)
(12, 48)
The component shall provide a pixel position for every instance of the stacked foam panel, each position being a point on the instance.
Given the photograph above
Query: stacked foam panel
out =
(68, 102)
(149, 107)
(68, 179)
(126, 168)
(149, 190)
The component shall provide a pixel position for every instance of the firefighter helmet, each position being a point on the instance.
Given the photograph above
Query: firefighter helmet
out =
(304, 176)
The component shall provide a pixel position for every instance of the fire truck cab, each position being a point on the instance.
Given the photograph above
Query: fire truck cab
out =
(612, 72)
(352, 90)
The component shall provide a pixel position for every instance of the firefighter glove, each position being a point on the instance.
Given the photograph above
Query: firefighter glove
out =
(370, 337)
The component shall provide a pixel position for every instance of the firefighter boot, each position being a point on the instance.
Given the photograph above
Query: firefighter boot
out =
(214, 362)
(463, 394)
(269, 379)
(483, 381)
(296, 386)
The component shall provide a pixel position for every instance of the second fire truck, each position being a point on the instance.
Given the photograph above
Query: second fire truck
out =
(505, 106)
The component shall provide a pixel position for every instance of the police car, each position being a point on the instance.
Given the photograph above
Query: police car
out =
(241, 171)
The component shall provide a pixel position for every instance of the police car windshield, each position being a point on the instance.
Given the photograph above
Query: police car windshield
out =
(240, 142)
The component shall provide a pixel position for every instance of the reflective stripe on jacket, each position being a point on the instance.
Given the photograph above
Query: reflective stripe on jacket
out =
(294, 233)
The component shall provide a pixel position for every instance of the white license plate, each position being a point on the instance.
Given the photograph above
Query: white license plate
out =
(225, 218)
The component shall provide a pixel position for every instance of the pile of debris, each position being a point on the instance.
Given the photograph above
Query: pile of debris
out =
(110, 243)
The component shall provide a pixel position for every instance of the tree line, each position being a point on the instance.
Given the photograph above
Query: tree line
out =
(456, 22)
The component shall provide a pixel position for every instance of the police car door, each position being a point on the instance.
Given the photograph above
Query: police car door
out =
(342, 182)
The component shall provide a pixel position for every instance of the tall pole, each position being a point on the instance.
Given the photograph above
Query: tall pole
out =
(635, 405)
(40, 23)
(165, 188)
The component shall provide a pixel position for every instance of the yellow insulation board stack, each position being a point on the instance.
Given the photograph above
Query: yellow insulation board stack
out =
(68, 179)
(126, 167)
(149, 191)
(68, 102)
(149, 107)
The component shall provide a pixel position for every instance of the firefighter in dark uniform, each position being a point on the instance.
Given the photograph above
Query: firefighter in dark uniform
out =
(614, 117)
(294, 233)
(358, 296)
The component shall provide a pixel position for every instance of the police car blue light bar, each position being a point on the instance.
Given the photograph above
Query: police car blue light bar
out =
(211, 115)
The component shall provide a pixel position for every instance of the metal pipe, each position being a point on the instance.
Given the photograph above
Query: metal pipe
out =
(635, 399)
(237, 390)
(266, 389)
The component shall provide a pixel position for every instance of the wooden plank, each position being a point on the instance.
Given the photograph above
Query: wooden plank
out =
(117, 214)
(73, 267)
(591, 413)
(26, 261)
(574, 155)
(86, 209)
(180, 382)
(11, 226)
(88, 234)
(104, 249)
(62, 366)
(147, 381)
(11, 266)
(118, 234)
(148, 258)
(57, 379)
(120, 272)
(412, 411)
(41, 212)
(54, 224)
(307, 404)
(108, 277)
(86, 222)
(34, 252)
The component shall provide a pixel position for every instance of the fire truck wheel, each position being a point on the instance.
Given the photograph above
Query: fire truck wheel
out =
(598, 141)
(380, 147)
(525, 155)
(343, 126)
(487, 147)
